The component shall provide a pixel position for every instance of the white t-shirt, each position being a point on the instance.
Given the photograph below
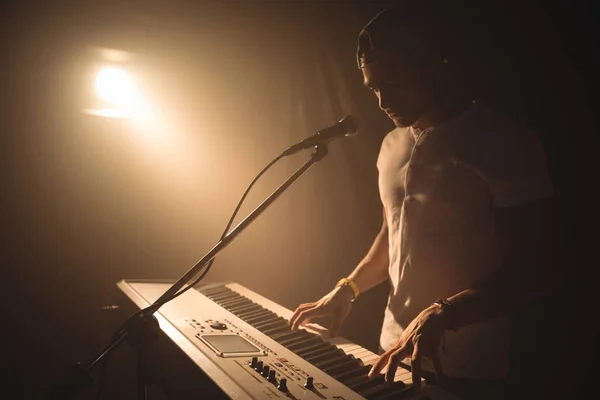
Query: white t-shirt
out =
(439, 188)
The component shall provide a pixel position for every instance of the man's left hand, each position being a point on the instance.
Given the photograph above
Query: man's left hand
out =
(421, 339)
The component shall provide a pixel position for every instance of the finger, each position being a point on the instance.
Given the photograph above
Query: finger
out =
(439, 369)
(394, 363)
(299, 310)
(380, 363)
(306, 316)
(416, 366)
(300, 318)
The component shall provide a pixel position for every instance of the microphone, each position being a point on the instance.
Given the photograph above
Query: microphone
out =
(348, 126)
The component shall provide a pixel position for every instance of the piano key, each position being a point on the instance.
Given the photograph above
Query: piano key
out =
(396, 393)
(322, 348)
(304, 343)
(224, 296)
(302, 352)
(271, 326)
(297, 338)
(278, 337)
(349, 365)
(208, 291)
(379, 391)
(353, 373)
(243, 308)
(276, 331)
(262, 316)
(331, 360)
(279, 321)
(245, 304)
(232, 302)
(325, 358)
(370, 383)
(293, 337)
(250, 313)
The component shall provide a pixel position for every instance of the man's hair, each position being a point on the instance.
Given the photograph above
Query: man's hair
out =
(417, 30)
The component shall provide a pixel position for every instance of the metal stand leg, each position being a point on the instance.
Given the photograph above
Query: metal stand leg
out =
(142, 388)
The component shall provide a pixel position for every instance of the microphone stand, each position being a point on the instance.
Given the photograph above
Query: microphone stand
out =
(144, 326)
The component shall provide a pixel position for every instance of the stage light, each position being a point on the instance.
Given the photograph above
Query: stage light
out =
(115, 87)
(120, 96)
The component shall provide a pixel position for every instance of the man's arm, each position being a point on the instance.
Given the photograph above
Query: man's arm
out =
(533, 264)
(373, 269)
(529, 240)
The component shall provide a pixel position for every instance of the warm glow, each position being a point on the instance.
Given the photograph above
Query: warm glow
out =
(121, 96)
(116, 87)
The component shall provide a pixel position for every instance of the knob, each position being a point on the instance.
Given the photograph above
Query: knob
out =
(283, 385)
(265, 371)
(259, 366)
(218, 325)
(254, 362)
(271, 377)
(310, 383)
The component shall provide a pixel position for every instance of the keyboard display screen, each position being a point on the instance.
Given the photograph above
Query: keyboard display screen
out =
(228, 344)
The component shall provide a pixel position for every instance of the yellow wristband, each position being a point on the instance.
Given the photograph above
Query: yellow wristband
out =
(348, 282)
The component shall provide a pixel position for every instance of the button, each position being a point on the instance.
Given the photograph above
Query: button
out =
(309, 383)
(218, 325)
(283, 385)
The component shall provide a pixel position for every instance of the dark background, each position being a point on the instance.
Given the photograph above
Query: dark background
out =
(86, 201)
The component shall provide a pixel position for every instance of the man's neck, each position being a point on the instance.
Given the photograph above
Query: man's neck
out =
(438, 115)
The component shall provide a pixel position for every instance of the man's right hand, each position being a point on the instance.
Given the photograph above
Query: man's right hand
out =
(336, 304)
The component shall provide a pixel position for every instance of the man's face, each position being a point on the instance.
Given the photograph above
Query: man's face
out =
(402, 94)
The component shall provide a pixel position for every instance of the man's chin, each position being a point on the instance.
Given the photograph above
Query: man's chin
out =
(403, 122)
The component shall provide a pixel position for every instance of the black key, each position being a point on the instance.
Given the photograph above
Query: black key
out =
(335, 362)
(306, 341)
(278, 337)
(352, 374)
(324, 347)
(352, 383)
(223, 296)
(244, 307)
(370, 383)
(250, 313)
(293, 337)
(296, 341)
(279, 321)
(341, 369)
(308, 349)
(384, 390)
(276, 331)
(397, 392)
(320, 358)
(214, 290)
(263, 316)
(229, 303)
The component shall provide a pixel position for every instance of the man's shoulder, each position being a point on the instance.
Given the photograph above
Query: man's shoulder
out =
(396, 146)
(397, 137)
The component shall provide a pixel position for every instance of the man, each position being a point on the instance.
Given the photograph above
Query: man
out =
(469, 233)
